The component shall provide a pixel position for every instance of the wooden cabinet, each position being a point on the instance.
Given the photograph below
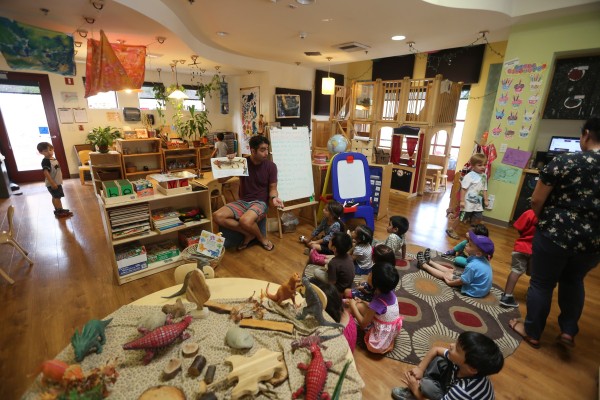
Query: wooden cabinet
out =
(181, 159)
(381, 177)
(128, 209)
(403, 180)
(140, 157)
(204, 157)
(105, 167)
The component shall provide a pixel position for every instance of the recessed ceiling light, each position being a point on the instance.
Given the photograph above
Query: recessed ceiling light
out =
(222, 34)
(327, 20)
(398, 37)
(306, 2)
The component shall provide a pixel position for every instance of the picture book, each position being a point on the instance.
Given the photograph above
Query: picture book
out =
(210, 244)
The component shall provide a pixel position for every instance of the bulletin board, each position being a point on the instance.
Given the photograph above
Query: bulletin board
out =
(291, 153)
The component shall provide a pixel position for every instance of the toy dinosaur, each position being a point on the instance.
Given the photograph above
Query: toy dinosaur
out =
(285, 291)
(314, 306)
(308, 340)
(316, 376)
(91, 337)
(160, 337)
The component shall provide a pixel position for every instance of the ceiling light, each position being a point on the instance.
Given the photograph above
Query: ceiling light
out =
(222, 34)
(153, 55)
(398, 37)
(328, 84)
(327, 20)
(178, 95)
(161, 39)
(306, 2)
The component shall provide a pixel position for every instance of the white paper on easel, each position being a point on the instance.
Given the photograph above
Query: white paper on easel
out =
(223, 167)
(65, 115)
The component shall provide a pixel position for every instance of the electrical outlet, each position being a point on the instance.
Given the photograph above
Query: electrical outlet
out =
(503, 147)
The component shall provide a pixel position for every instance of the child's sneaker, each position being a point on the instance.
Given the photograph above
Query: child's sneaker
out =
(427, 255)
(402, 393)
(420, 260)
(449, 253)
(452, 234)
(63, 214)
(316, 258)
(508, 301)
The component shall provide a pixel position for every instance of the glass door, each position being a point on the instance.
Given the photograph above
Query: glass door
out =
(27, 117)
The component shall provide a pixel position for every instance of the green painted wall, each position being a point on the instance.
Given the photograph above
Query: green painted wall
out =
(539, 43)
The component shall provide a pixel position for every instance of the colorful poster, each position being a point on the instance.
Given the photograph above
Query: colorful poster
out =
(28, 47)
(250, 103)
(516, 158)
(506, 174)
(518, 104)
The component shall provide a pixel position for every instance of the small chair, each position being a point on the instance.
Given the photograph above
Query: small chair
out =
(84, 159)
(182, 270)
(6, 237)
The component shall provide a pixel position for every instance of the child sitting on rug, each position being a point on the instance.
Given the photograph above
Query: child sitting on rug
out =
(476, 280)
(335, 309)
(460, 372)
(331, 223)
(397, 228)
(457, 254)
(339, 271)
(362, 253)
(381, 317)
(364, 291)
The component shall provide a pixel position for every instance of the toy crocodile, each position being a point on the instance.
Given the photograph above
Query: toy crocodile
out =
(91, 337)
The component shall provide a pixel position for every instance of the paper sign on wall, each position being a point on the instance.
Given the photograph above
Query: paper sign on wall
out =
(516, 158)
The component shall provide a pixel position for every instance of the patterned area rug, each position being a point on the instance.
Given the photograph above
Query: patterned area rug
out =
(435, 314)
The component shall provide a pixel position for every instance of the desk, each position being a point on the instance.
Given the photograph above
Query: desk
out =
(208, 333)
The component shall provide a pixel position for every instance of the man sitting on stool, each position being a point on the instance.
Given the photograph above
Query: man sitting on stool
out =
(256, 191)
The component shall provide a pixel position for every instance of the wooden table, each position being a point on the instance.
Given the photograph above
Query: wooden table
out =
(436, 178)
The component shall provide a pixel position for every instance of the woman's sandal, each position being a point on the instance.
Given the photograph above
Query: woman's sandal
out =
(566, 339)
(532, 342)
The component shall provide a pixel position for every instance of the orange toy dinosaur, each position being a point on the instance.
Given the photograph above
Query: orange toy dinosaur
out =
(285, 291)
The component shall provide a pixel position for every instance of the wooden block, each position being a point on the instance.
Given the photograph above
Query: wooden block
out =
(268, 325)
(248, 371)
(218, 307)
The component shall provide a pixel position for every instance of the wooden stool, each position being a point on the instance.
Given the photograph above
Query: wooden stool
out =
(442, 180)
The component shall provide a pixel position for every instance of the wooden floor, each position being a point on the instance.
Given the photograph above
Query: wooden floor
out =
(72, 282)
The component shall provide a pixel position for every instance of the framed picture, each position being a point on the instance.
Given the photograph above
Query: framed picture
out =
(287, 105)
(141, 133)
(129, 135)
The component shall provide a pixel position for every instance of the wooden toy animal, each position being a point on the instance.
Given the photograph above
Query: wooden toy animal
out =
(316, 376)
(314, 306)
(286, 291)
(160, 337)
(91, 337)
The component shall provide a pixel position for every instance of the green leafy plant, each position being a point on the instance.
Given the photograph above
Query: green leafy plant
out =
(103, 137)
(196, 126)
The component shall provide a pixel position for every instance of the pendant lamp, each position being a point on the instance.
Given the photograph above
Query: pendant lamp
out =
(177, 94)
(328, 84)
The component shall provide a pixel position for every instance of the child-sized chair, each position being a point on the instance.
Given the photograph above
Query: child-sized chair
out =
(84, 159)
(6, 237)
(351, 183)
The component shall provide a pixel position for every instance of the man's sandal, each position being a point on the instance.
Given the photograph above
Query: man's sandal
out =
(514, 324)
(245, 245)
(269, 246)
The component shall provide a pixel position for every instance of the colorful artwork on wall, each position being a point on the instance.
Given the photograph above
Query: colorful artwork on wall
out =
(250, 103)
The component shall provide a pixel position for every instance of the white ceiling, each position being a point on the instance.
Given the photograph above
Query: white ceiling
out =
(263, 33)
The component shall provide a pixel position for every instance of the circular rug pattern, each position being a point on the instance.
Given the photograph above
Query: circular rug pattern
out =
(435, 314)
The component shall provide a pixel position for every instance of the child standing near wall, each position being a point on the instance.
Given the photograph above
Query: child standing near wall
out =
(381, 317)
(331, 223)
(521, 255)
(473, 195)
(53, 177)
(221, 148)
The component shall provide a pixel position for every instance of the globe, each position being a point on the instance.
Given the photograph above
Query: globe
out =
(337, 144)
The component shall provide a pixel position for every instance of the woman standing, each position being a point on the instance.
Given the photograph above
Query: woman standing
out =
(566, 245)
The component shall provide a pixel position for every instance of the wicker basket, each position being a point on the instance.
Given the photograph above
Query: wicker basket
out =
(190, 254)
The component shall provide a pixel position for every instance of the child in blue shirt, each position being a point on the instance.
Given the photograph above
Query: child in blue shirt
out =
(457, 255)
(476, 280)
(331, 223)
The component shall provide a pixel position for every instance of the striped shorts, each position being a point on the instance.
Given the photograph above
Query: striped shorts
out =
(240, 207)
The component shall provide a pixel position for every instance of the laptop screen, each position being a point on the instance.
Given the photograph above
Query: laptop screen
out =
(562, 144)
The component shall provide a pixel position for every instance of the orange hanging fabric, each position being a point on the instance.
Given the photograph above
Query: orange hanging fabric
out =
(113, 66)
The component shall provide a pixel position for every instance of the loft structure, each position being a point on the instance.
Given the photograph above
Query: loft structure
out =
(363, 109)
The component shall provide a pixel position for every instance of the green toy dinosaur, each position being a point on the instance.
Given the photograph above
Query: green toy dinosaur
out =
(91, 337)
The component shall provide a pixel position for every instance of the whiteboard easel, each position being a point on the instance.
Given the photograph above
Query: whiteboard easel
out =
(291, 153)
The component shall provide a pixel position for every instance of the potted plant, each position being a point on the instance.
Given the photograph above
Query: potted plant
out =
(103, 138)
(196, 127)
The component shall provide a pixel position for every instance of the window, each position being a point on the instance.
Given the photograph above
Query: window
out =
(460, 124)
(147, 99)
(103, 100)
(193, 100)
(438, 143)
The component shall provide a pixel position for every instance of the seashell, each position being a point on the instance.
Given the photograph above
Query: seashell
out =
(152, 321)
(239, 338)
